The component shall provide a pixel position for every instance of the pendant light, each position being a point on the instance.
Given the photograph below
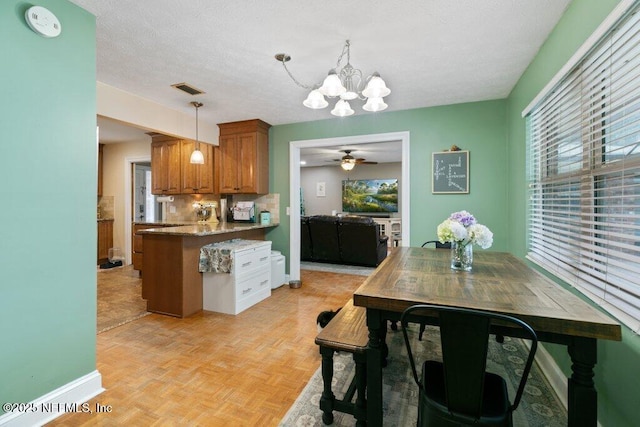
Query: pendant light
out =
(196, 157)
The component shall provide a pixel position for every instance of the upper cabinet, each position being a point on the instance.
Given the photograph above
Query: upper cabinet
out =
(244, 157)
(197, 178)
(165, 165)
(172, 172)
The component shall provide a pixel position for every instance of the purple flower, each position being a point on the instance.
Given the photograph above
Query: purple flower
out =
(462, 228)
(463, 217)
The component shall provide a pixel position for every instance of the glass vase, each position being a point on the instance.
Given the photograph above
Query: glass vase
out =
(461, 256)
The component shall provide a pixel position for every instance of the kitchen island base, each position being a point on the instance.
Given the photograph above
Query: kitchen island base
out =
(171, 283)
(247, 283)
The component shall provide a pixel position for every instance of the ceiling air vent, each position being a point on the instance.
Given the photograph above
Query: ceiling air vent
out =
(187, 88)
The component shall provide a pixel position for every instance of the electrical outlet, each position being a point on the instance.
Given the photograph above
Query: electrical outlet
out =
(288, 211)
(172, 209)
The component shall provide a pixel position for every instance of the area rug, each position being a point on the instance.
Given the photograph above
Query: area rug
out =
(539, 406)
(119, 298)
(336, 268)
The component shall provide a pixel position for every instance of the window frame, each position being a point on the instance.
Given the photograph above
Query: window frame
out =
(572, 230)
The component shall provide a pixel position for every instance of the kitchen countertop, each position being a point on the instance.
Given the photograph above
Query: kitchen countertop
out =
(172, 223)
(203, 228)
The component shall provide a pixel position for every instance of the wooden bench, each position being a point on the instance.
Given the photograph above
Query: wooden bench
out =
(347, 332)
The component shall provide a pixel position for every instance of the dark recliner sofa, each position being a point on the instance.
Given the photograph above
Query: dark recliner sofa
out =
(352, 240)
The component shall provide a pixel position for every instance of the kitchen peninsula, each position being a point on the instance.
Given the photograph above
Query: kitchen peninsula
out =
(171, 282)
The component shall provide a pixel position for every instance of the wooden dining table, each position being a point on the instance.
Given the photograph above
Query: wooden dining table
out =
(499, 282)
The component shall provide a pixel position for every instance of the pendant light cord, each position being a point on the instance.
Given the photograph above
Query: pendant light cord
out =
(197, 105)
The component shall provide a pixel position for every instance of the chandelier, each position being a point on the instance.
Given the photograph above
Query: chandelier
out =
(346, 83)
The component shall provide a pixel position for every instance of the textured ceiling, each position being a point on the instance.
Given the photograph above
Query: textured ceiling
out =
(430, 52)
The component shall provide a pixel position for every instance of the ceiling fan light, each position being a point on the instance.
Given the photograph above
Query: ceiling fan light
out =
(196, 157)
(348, 164)
(332, 86)
(376, 87)
(315, 100)
(342, 109)
(375, 104)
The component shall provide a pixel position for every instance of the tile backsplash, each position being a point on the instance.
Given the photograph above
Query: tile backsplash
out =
(184, 211)
(268, 202)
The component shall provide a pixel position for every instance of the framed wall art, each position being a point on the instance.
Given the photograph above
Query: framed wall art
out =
(450, 172)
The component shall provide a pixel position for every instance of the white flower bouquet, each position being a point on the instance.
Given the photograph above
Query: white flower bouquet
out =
(463, 229)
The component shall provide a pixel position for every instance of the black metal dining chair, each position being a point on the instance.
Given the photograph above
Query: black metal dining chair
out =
(438, 245)
(459, 390)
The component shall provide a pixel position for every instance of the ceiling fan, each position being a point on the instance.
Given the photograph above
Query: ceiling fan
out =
(348, 162)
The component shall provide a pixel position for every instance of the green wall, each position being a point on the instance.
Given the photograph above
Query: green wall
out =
(48, 200)
(617, 371)
(478, 127)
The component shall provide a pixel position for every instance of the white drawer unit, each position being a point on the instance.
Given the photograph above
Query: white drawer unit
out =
(246, 261)
(248, 283)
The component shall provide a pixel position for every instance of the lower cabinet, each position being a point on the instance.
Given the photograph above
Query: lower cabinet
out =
(248, 283)
(105, 239)
(136, 244)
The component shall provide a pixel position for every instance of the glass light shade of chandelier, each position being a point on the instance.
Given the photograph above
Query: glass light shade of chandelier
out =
(332, 86)
(342, 109)
(376, 87)
(346, 83)
(374, 104)
(197, 158)
(315, 100)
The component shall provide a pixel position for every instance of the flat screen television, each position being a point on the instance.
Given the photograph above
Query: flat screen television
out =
(370, 195)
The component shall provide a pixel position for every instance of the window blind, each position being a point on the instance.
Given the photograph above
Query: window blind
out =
(584, 174)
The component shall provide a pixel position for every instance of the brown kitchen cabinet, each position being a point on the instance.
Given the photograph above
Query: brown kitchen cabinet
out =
(197, 178)
(172, 171)
(165, 165)
(105, 239)
(136, 243)
(244, 157)
(100, 161)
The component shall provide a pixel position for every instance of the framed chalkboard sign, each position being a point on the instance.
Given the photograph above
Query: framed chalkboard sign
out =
(450, 172)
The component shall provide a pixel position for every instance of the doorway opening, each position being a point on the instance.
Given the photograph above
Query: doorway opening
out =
(145, 206)
(129, 198)
(294, 185)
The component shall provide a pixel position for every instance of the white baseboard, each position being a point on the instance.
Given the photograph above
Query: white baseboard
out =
(557, 379)
(550, 369)
(53, 404)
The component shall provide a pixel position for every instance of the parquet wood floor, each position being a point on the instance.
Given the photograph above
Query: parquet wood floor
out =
(214, 369)
(119, 297)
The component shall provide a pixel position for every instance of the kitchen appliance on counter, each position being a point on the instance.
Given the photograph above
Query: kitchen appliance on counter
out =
(205, 211)
(244, 211)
